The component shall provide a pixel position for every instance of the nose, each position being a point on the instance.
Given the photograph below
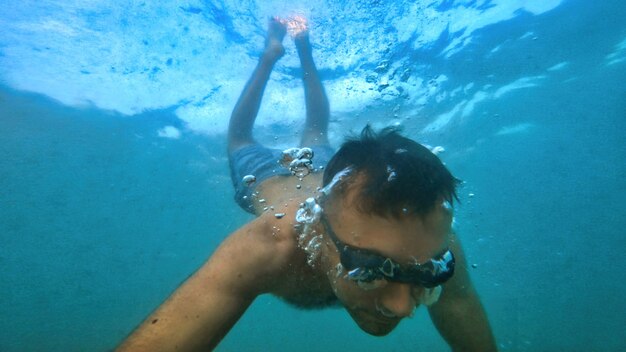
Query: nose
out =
(396, 300)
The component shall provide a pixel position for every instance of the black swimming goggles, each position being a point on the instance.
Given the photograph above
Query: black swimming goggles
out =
(366, 266)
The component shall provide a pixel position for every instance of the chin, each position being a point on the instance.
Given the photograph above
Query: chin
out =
(377, 328)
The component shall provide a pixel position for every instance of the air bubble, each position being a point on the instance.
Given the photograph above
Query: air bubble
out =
(438, 150)
(339, 270)
(298, 161)
(391, 173)
(301, 167)
(430, 296)
(305, 153)
(309, 212)
(249, 180)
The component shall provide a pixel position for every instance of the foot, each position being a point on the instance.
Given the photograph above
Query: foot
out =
(298, 28)
(274, 42)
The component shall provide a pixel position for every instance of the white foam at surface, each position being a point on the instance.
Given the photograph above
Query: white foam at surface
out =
(615, 61)
(617, 56)
(496, 49)
(524, 82)
(466, 107)
(519, 128)
(468, 20)
(133, 57)
(559, 66)
(456, 91)
(471, 104)
(349, 94)
(538, 7)
(527, 35)
(170, 132)
(442, 120)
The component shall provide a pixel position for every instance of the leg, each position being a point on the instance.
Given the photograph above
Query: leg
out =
(247, 107)
(317, 108)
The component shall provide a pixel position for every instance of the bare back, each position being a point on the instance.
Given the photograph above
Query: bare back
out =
(300, 284)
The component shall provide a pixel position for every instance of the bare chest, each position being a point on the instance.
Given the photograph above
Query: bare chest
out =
(306, 288)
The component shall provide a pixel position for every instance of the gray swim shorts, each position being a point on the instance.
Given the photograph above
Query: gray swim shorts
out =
(263, 163)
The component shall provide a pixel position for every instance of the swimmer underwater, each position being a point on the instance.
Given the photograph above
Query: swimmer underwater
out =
(369, 230)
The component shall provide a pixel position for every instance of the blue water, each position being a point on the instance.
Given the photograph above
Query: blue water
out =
(104, 211)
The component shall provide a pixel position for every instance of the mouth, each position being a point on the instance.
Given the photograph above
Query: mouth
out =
(386, 322)
(381, 326)
(390, 316)
(374, 323)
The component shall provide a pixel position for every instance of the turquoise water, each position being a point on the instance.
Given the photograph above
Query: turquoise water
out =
(104, 212)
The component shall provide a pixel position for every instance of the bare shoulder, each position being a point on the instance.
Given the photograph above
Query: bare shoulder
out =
(260, 253)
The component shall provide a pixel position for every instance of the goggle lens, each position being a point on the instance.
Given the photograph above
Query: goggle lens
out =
(430, 274)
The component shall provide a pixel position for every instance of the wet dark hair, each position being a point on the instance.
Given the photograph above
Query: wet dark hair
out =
(399, 175)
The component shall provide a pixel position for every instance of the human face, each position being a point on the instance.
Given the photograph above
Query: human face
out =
(366, 266)
(378, 306)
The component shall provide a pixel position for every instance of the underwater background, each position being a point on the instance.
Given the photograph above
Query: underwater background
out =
(114, 181)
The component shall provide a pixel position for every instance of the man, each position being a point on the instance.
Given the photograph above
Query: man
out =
(372, 233)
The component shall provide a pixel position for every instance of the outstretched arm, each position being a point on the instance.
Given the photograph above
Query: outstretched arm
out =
(202, 310)
(458, 315)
